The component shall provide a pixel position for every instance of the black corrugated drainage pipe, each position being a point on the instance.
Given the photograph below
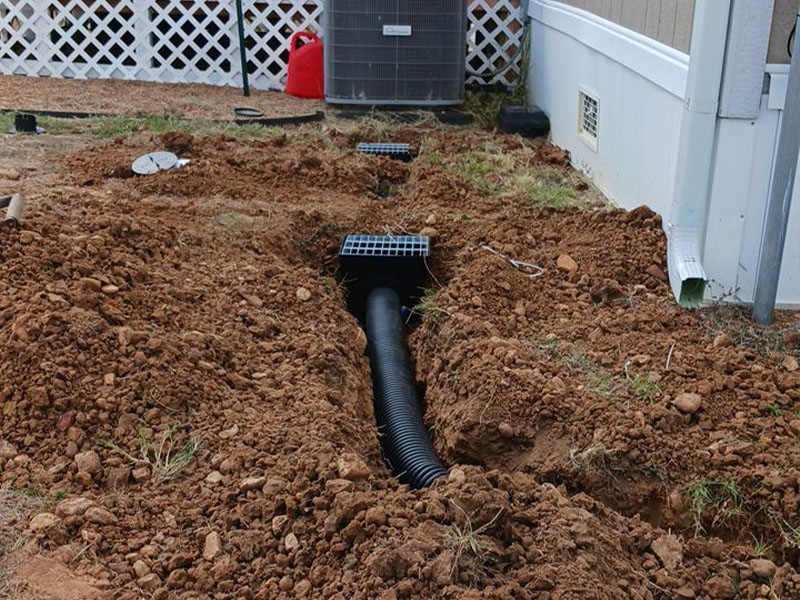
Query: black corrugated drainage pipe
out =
(383, 273)
(397, 408)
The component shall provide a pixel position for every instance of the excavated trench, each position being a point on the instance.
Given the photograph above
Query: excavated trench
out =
(547, 454)
(507, 367)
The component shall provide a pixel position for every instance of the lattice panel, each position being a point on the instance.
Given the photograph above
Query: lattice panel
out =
(192, 42)
(72, 38)
(495, 36)
(195, 41)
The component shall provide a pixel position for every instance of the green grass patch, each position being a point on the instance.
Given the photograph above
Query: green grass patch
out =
(499, 172)
(547, 187)
(6, 122)
(774, 410)
(487, 168)
(643, 388)
(127, 125)
(761, 548)
(548, 346)
(49, 124)
(600, 381)
(721, 501)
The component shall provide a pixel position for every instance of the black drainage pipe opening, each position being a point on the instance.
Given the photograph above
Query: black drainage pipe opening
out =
(383, 274)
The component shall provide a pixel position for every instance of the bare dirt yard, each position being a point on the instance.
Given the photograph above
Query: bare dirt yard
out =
(187, 408)
(114, 97)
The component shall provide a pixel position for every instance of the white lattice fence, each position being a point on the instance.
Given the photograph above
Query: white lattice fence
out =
(195, 41)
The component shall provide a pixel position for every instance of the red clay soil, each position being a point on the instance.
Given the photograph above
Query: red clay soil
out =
(582, 413)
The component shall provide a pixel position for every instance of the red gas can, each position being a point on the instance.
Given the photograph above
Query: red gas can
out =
(305, 67)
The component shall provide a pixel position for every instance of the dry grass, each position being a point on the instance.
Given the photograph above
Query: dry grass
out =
(738, 323)
(16, 507)
(166, 457)
(465, 543)
(594, 456)
(426, 307)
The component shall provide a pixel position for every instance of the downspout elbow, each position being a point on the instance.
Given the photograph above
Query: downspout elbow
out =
(689, 213)
(687, 277)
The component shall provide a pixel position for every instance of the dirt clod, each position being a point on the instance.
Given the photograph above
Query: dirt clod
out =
(149, 582)
(762, 567)
(7, 449)
(212, 546)
(688, 402)
(723, 340)
(99, 516)
(88, 462)
(566, 263)
(352, 468)
(43, 521)
(669, 551)
(140, 568)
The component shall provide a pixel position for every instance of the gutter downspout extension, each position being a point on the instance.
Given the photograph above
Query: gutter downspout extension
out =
(686, 230)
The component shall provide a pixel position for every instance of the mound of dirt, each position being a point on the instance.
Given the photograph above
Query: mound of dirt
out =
(183, 385)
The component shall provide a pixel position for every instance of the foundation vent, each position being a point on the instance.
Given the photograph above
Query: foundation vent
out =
(588, 118)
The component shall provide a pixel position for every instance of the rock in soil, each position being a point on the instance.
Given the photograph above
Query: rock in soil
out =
(688, 402)
(212, 546)
(566, 263)
(88, 462)
(762, 568)
(669, 551)
(73, 507)
(43, 522)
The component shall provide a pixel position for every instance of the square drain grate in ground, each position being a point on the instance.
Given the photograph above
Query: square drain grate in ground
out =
(394, 151)
(368, 262)
(385, 245)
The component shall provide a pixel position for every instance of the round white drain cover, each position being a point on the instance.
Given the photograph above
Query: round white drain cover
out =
(154, 162)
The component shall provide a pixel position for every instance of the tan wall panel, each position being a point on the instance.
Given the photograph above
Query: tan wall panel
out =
(667, 18)
(684, 17)
(668, 21)
(782, 23)
(634, 15)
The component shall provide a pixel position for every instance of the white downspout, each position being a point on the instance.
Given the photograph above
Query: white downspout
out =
(686, 230)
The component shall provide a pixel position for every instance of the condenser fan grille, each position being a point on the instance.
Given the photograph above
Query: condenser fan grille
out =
(395, 51)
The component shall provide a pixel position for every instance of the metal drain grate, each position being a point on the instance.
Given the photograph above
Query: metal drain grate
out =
(395, 151)
(385, 245)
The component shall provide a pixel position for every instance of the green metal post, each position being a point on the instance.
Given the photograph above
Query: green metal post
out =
(242, 48)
